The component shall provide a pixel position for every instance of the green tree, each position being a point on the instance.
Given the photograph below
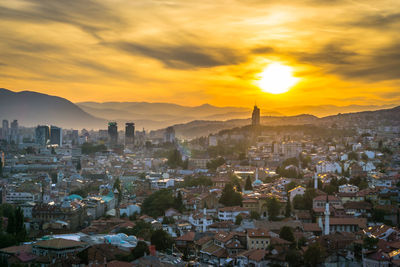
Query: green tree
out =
(314, 255)
(230, 197)
(140, 249)
(1, 167)
(370, 243)
(254, 215)
(215, 163)
(288, 209)
(157, 203)
(174, 159)
(248, 186)
(78, 166)
(273, 207)
(298, 202)
(352, 156)
(117, 185)
(178, 203)
(238, 219)
(162, 240)
(286, 233)
(294, 258)
(11, 226)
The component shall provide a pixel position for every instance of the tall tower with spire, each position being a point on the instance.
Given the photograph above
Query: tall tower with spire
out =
(316, 181)
(255, 117)
(327, 213)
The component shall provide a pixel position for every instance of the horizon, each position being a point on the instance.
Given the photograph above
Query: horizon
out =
(171, 52)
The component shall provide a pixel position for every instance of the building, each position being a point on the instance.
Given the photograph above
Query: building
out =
(19, 197)
(42, 134)
(230, 213)
(129, 134)
(258, 239)
(112, 134)
(14, 136)
(4, 130)
(169, 135)
(58, 247)
(299, 190)
(55, 135)
(348, 188)
(255, 117)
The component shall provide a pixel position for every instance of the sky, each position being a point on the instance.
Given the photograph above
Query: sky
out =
(190, 52)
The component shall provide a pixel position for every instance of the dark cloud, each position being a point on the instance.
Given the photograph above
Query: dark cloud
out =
(378, 21)
(183, 56)
(88, 15)
(329, 54)
(262, 50)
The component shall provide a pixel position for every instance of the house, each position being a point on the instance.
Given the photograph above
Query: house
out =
(258, 238)
(253, 257)
(348, 188)
(58, 247)
(200, 221)
(230, 213)
(299, 190)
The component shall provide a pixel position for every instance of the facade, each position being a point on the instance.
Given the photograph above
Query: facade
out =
(14, 136)
(129, 134)
(58, 247)
(258, 239)
(55, 135)
(5, 130)
(112, 134)
(299, 190)
(255, 117)
(19, 197)
(169, 135)
(42, 134)
(230, 213)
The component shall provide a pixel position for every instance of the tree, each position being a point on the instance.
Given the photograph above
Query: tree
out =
(290, 186)
(11, 226)
(174, 159)
(273, 207)
(215, 163)
(140, 249)
(364, 157)
(178, 203)
(254, 215)
(370, 243)
(294, 258)
(238, 219)
(286, 233)
(314, 255)
(117, 185)
(288, 209)
(157, 203)
(230, 197)
(248, 186)
(78, 166)
(161, 239)
(352, 156)
(1, 167)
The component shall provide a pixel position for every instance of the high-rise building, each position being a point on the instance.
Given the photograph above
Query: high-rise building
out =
(255, 117)
(14, 135)
(129, 134)
(55, 135)
(112, 133)
(169, 135)
(4, 130)
(42, 134)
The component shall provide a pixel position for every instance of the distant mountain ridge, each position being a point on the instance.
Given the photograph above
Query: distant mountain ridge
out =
(31, 108)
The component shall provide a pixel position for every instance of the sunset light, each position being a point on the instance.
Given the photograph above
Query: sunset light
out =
(277, 79)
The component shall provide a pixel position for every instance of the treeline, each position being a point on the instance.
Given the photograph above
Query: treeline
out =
(90, 148)
(13, 232)
(157, 203)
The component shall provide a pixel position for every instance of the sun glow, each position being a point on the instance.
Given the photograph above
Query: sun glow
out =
(277, 79)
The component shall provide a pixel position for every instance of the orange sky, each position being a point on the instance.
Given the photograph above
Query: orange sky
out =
(190, 52)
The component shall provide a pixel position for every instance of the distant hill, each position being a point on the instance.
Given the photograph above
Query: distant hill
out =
(31, 109)
(383, 117)
(160, 115)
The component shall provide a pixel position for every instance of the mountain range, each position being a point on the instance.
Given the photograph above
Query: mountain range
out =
(32, 108)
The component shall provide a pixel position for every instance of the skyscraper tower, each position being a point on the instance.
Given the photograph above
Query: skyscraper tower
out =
(255, 117)
(4, 130)
(55, 135)
(129, 134)
(112, 134)
(42, 133)
(14, 136)
(327, 213)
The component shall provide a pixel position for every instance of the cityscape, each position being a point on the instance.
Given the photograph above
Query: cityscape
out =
(167, 133)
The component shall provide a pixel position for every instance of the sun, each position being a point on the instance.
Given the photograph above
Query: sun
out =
(277, 79)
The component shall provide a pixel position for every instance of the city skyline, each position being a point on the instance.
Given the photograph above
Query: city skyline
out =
(171, 51)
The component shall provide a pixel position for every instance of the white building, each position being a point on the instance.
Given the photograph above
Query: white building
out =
(200, 221)
(162, 183)
(299, 190)
(230, 213)
(348, 188)
(19, 197)
(328, 167)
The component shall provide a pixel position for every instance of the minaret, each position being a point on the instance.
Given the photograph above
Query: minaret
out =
(316, 181)
(204, 220)
(327, 213)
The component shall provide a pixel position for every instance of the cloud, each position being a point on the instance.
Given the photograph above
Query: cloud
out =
(182, 56)
(89, 15)
(378, 21)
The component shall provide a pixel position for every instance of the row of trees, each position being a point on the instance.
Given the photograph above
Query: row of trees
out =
(157, 203)
(15, 231)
